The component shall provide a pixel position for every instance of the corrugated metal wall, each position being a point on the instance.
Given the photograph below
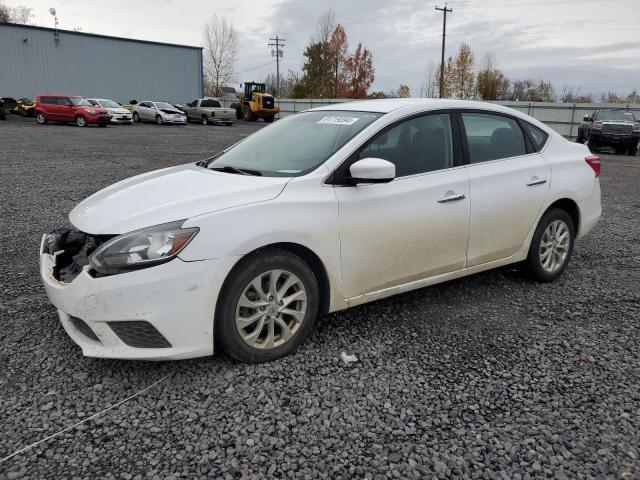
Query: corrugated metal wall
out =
(92, 66)
(564, 118)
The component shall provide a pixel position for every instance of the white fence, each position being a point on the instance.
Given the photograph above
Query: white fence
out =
(564, 118)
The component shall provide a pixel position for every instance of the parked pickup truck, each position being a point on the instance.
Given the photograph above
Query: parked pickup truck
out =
(209, 110)
(618, 129)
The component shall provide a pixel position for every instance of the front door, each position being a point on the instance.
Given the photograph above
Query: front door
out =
(415, 226)
(508, 183)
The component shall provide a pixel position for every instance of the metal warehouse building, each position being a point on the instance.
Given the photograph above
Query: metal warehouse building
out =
(34, 60)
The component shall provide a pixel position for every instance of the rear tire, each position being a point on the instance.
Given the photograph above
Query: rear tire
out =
(580, 137)
(249, 116)
(551, 246)
(268, 119)
(633, 150)
(593, 146)
(136, 117)
(205, 120)
(40, 118)
(271, 331)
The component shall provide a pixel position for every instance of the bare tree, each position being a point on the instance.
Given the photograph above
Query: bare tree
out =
(19, 14)
(325, 27)
(429, 88)
(220, 40)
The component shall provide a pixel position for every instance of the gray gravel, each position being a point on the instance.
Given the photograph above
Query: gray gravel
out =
(486, 377)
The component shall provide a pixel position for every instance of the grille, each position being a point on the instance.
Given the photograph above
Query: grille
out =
(267, 102)
(83, 328)
(139, 334)
(620, 129)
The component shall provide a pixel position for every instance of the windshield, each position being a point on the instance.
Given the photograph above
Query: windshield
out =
(165, 105)
(615, 116)
(81, 102)
(109, 104)
(297, 144)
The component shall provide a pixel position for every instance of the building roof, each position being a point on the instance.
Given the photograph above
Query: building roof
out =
(73, 32)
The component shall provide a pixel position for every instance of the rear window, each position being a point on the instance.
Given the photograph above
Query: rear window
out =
(538, 136)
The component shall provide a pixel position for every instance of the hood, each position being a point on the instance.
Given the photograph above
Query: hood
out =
(91, 107)
(168, 195)
(167, 110)
(119, 110)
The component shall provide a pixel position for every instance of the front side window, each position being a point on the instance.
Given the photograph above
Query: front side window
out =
(422, 144)
(492, 137)
(296, 144)
(94, 103)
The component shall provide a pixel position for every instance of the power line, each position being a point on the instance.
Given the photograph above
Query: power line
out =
(471, 5)
(255, 68)
(444, 33)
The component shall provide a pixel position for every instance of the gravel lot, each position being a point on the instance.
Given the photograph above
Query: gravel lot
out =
(486, 377)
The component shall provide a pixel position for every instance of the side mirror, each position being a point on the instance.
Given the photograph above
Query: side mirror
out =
(586, 118)
(372, 170)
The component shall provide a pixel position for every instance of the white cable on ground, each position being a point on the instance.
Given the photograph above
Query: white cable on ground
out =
(18, 452)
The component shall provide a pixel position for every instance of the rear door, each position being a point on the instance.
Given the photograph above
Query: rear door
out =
(509, 182)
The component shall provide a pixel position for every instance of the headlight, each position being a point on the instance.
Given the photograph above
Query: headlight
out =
(142, 248)
(636, 128)
(91, 111)
(596, 126)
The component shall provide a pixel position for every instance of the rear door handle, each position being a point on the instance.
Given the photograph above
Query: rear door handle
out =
(451, 197)
(536, 181)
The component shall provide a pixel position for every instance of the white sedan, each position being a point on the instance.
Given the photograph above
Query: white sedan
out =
(321, 211)
(158, 112)
(118, 113)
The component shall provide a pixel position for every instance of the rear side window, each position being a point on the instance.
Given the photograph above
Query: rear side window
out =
(492, 137)
(210, 103)
(538, 136)
(49, 100)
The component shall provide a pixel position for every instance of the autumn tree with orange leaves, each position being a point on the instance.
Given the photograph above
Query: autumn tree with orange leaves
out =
(329, 70)
(359, 72)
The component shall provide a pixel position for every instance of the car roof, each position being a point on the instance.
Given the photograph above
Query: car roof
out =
(388, 105)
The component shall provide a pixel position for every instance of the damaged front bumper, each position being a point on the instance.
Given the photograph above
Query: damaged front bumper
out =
(163, 312)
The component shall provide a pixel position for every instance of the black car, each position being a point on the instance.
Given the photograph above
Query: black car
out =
(3, 115)
(617, 129)
(9, 103)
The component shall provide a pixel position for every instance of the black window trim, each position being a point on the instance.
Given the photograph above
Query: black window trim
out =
(529, 145)
(338, 177)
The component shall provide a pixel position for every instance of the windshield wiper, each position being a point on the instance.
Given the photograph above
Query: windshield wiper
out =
(237, 171)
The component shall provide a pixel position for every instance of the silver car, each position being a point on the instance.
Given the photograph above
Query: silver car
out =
(118, 113)
(158, 112)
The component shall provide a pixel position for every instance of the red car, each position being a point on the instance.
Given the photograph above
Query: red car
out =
(67, 109)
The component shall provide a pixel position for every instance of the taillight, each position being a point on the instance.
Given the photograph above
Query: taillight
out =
(594, 162)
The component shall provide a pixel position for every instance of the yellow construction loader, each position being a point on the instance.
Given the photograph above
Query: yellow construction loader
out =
(256, 103)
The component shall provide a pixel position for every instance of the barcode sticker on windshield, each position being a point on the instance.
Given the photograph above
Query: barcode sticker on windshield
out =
(334, 120)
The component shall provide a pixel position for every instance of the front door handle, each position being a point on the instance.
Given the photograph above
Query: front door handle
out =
(536, 181)
(451, 197)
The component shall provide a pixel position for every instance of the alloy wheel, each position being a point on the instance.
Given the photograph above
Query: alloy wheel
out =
(271, 309)
(40, 118)
(554, 246)
(80, 121)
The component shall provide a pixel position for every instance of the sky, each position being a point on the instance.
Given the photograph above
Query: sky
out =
(593, 45)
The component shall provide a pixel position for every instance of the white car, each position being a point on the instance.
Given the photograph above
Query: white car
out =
(118, 113)
(158, 112)
(321, 211)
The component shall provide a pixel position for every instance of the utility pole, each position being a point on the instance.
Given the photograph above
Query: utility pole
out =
(444, 34)
(278, 53)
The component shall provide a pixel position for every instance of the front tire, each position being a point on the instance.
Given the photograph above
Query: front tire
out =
(268, 306)
(593, 146)
(551, 246)
(159, 120)
(580, 137)
(136, 117)
(268, 119)
(81, 121)
(205, 120)
(633, 149)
